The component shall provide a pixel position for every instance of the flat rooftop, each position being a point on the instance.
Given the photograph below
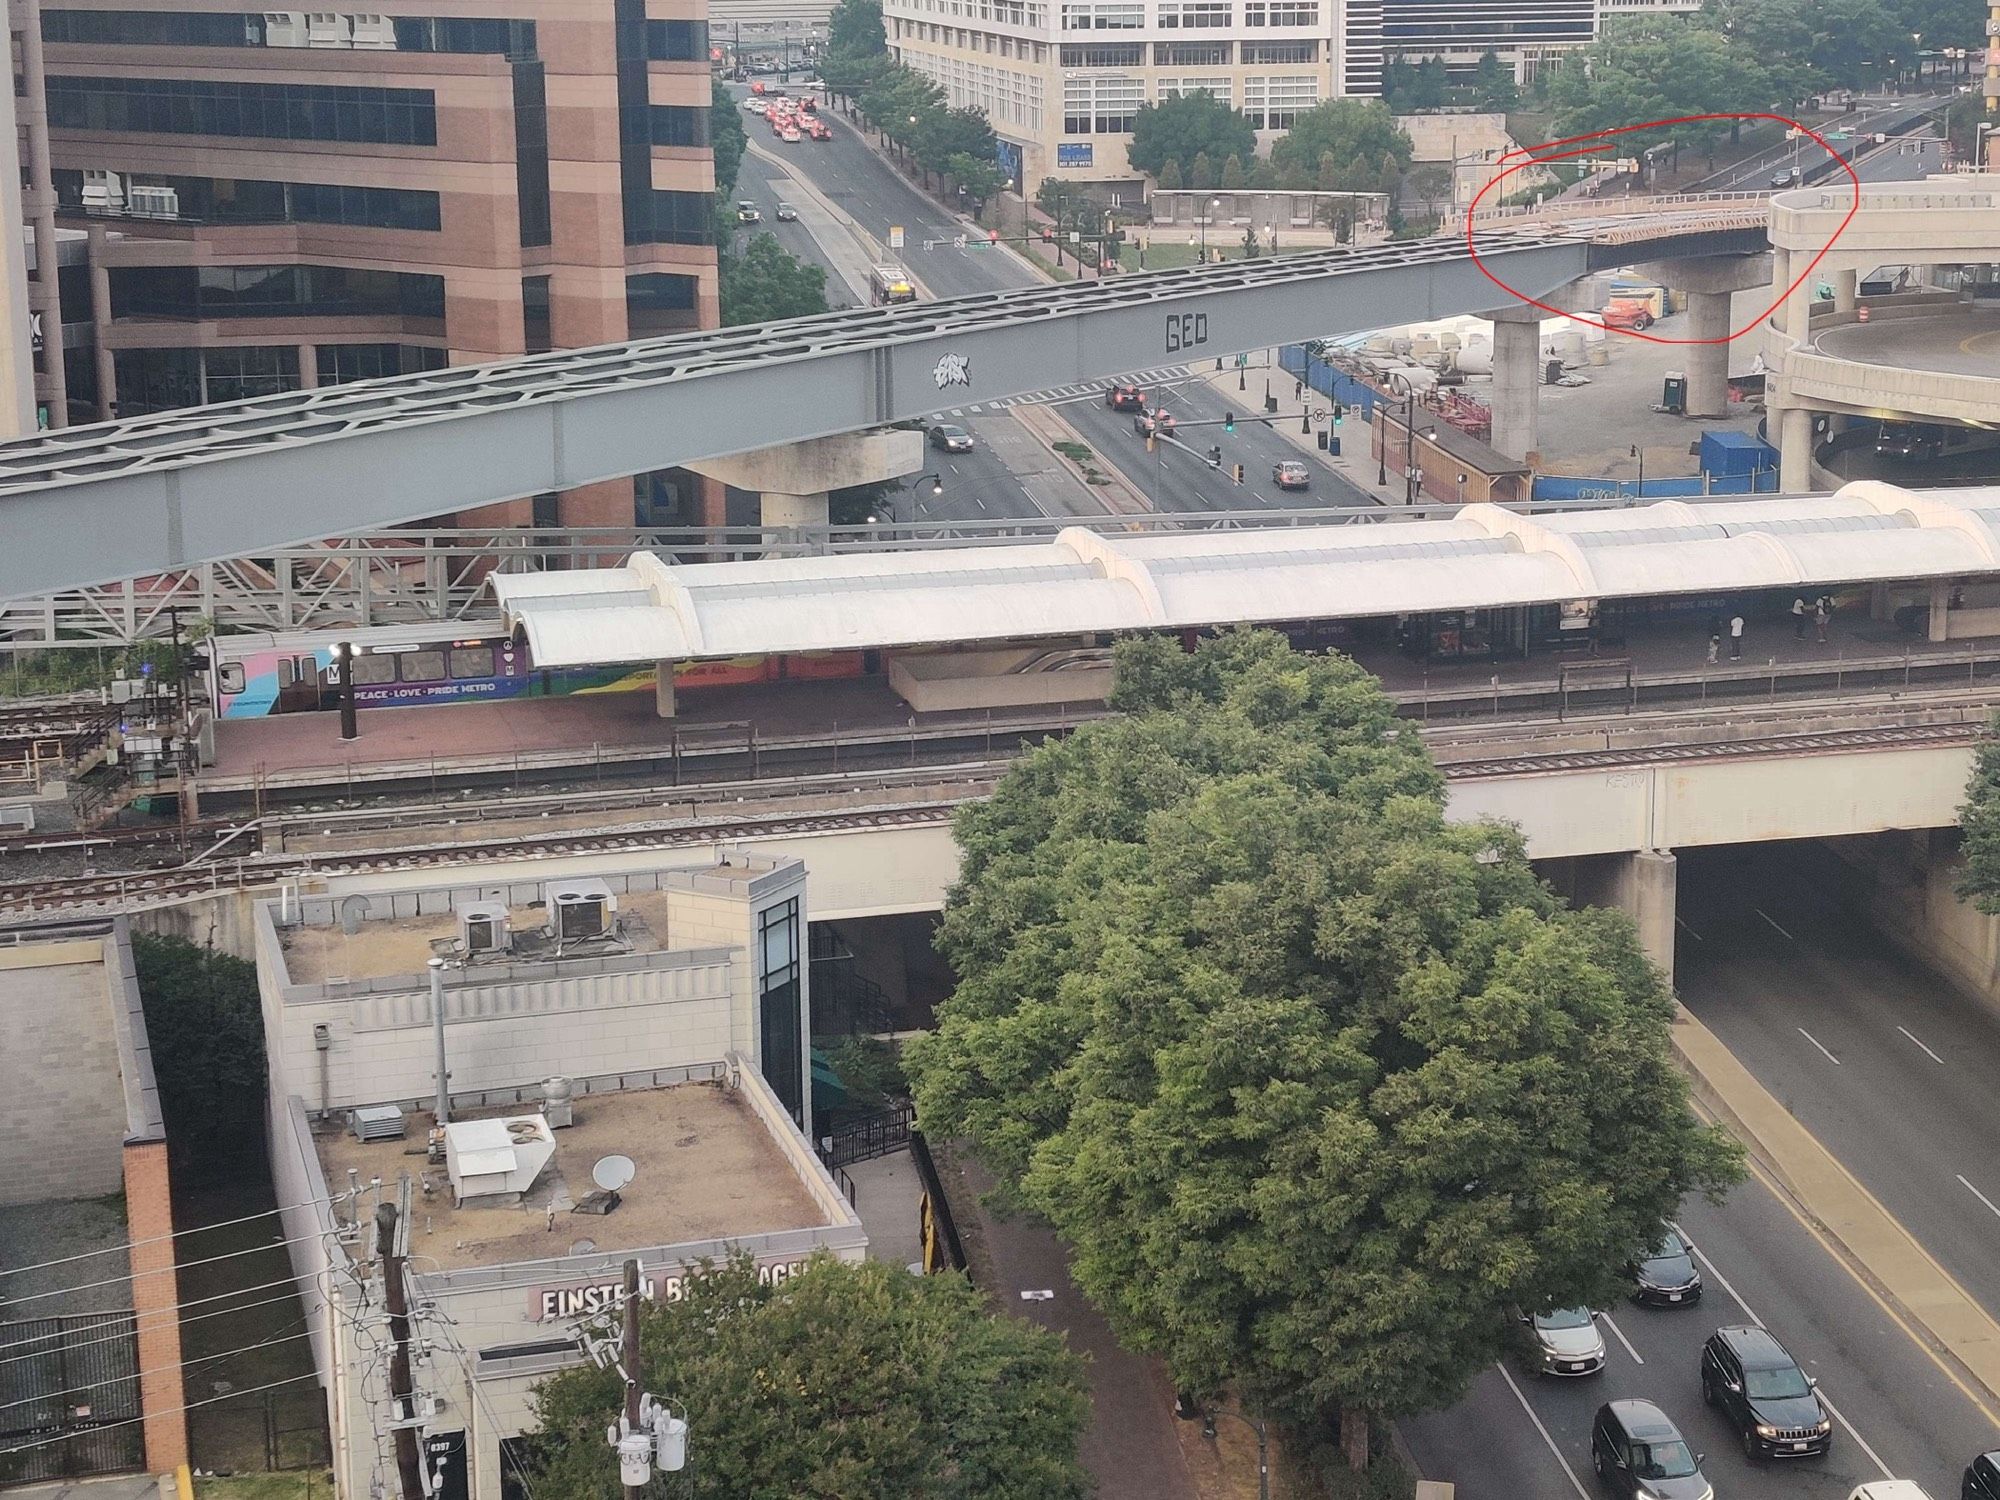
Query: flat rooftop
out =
(390, 946)
(707, 1169)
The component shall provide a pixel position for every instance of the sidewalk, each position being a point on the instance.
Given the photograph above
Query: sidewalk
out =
(1831, 1197)
(1354, 465)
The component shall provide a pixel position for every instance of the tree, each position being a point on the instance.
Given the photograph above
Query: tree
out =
(845, 1379)
(941, 134)
(763, 282)
(1170, 174)
(1493, 86)
(1201, 176)
(1314, 1083)
(857, 48)
(1430, 182)
(1413, 89)
(1329, 173)
(1233, 175)
(1185, 127)
(980, 176)
(1655, 69)
(1979, 821)
(726, 139)
(1346, 127)
(205, 1024)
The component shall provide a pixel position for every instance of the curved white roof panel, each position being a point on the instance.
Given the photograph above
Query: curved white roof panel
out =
(1084, 582)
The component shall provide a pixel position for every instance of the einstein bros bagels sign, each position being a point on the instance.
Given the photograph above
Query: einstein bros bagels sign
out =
(547, 1304)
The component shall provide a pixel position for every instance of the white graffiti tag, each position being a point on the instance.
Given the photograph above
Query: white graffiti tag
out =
(953, 369)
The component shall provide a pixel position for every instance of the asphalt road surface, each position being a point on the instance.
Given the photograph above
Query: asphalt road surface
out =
(1888, 1065)
(1755, 175)
(1964, 341)
(1898, 1413)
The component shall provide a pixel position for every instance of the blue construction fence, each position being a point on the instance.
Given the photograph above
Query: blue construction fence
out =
(1682, 487)
(1335, 385)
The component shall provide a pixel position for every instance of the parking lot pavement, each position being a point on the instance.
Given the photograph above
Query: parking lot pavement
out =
(1899, 1410)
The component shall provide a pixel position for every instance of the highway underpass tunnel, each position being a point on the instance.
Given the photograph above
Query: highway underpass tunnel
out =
(1642, 884)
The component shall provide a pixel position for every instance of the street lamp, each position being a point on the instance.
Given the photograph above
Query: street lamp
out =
(1411, 485)
(1207, 213)
(1382, 448)
(344, 653)
(1208, 1417)
(1640, 454)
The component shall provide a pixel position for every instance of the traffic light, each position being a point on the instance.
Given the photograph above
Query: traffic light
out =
(1239, 474)
(1048, 234)
(1229, 422)
(1339, 413)
(992, 236)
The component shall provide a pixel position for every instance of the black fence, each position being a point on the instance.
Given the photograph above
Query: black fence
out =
(69, 1397)
(866, 1137)
(943, 1250)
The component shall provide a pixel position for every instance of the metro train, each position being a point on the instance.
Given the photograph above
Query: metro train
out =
(254, 676)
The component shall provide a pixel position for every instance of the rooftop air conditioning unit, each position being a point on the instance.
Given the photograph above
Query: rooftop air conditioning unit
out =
(284, 28)
(559, 1102)
(154, 202)
(377, 1122)
(375, 33)
(493, 1162)
(482, 927)
(103, 192)
(326, 28)
(580, 909)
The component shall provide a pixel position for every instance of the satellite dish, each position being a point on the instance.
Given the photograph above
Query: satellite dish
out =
(612, 1172)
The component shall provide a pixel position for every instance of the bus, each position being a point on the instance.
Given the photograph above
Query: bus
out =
(889, 285)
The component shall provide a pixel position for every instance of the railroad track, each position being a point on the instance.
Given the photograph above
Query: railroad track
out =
(1829, 742)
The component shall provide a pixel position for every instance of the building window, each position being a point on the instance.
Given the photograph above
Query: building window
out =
(1281, 12)
(1191, 54)
(677, 41)
(1194, 15)
(1216, 88)
(665, 218)
(340, 363)
(1288, 99)
(535, 314)
(1105, 55)
(659, 302)
(680, 124)
(780, 1005)
(169, 379)
(531, 152)
(1118, 100)
(472, 34)
(186, 293)
(1280, 53)
(138, 28)
(239, 200)
(263, 111)
(1104, 15)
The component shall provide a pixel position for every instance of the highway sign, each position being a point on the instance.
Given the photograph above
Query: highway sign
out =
(895, 236)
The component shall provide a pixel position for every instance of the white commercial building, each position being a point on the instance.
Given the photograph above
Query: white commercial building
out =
(628, 1078)
(1062, 79)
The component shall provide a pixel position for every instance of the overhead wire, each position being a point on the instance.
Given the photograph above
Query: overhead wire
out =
(167, 1412)
(85, 1286)
(43, 1265)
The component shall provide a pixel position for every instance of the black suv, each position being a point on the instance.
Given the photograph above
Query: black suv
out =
(1639, 1453)
(1664, 1274)
(1982, 1478)
(1747, 1376)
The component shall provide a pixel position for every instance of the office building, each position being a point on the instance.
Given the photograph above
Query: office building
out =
(277, 201)
(1062, 79)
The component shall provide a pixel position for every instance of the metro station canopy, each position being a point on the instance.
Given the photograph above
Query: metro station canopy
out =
(1083, 582)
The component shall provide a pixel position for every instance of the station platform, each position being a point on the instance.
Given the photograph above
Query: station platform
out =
(1662, 661)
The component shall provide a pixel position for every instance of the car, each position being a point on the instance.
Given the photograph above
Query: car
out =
(1664, 1274)
(1147, 425)
(1565, 1341)
(790, 135)
(746, 213)
(1784, 178)
(1290, 474)
(1125, 398)
(1761, 1391)
(1982, 1478)
(755, 105)
(1640, 1454)
(947, 438)
(787, 214)
(818, 129)
(1889, 1489)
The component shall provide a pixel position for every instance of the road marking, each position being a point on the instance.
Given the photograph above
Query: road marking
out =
(1575, 1483)
(1751, 1313)
(1934, 1058)
(1980, 1196)
(1687, 929)
(1780, 931)
(952, 466)
(1637, 1357)
(1816, 1042)
(979, 502)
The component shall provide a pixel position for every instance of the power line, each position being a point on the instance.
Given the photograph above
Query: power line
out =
(43, 1265)
(170, 1411)
(179, 1266)
(117, 1338)
(141, 1374)
(154, 1312)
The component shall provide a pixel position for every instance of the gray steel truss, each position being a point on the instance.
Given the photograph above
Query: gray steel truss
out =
(158, 494)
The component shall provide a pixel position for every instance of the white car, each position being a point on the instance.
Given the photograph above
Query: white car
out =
(1565, 1342)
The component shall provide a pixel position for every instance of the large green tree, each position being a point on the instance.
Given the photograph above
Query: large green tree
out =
(1184, 127)
(1314, 1083)
(845, 1380)
(726, 138)
(1348, 128)
(762, 281)
(1659, 69)
(1980, 821)
(857, 48)
(1493, 86)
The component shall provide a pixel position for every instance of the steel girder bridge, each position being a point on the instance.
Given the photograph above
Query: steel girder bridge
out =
(157, 494)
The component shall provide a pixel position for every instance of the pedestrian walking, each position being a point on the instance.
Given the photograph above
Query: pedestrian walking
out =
(1821, 614)
(1799, 618)
(1714, 638)
(1735, 636)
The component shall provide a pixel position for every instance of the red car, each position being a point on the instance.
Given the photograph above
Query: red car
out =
(818, 129)
(1125, 398)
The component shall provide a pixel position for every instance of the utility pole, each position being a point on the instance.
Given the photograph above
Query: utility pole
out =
(409, 1468)
(628, 1361)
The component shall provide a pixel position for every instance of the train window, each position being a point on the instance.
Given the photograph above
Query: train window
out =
(229, 676)
(372, 671)
(423, 666)
(472, 661)
(285, 674)
(308, 669)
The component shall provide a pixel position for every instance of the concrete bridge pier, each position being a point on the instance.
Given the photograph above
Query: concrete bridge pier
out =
(1710, 282)
(1517, 377)
(795, 478)
(1795, 445)
(1643, 884)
